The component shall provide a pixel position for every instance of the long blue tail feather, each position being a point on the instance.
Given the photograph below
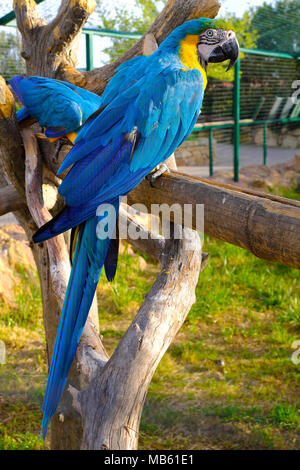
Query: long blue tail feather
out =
(111, 260)
(89, 257)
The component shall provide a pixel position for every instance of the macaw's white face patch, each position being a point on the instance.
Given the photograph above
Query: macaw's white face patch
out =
(209, 40)
(218, 45)
(214, 45)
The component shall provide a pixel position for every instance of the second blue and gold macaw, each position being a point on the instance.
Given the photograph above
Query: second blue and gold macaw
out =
(148, 109)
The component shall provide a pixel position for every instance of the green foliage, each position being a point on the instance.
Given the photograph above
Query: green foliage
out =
(28, 302)
(277, 25)
(10, 62)
(138, 19)
(19, 441)
(291, 193)
(285, 415)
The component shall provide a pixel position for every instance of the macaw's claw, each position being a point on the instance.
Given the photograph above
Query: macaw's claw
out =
(156, 173)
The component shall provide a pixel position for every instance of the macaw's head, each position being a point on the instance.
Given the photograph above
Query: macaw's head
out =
(199, 42)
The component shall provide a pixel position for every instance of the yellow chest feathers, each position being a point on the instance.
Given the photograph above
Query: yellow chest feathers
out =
(188, 55)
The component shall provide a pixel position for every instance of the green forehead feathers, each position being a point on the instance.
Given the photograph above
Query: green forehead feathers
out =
(219, 24)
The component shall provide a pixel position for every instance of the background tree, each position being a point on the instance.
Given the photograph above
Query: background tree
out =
(10, 62)
(283, 16)
(137, 19)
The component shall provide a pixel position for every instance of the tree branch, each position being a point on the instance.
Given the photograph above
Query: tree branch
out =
(69, 21)
(57, 250)
(266, 225)
(56, 42)
(11, 152)
(147, 242)
(122, 385)
(174, 14)
(27, 15)
(10, 200)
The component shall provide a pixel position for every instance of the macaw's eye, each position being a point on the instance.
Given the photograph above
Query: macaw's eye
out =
(209, 33)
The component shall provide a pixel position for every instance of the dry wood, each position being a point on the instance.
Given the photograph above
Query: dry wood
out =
(57, 250)
(51, 48)
(147, 242)
(123, 383)
(10, 200)
(269, 227)
(265, 224)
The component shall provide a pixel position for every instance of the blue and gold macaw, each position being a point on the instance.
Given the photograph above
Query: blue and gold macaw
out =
(60, 107)
(148, 109)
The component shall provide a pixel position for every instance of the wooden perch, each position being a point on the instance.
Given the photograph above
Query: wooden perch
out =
(57, 250)
(267, 226)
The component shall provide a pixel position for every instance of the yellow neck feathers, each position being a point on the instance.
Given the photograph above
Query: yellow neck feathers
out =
(188, 55)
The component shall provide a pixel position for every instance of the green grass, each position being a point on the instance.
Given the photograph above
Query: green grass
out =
(291, 193)
(247, 314)
(28, 301)
(18, 441)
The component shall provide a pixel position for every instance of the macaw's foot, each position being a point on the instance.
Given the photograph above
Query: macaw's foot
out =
(156, 173)
(60, 144)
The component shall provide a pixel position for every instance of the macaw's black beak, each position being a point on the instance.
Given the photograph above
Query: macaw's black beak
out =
(230, 49)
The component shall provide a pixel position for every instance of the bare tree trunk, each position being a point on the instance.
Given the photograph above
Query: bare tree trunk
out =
(124, 381)
(115, 386)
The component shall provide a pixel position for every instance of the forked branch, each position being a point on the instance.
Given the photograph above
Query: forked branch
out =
(123, 383)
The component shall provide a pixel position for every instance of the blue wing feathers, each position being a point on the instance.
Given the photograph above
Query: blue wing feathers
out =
(82, 204)
(22, 114)
(55, 103)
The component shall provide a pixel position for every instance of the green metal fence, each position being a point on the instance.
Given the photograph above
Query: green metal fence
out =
(253, 107)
